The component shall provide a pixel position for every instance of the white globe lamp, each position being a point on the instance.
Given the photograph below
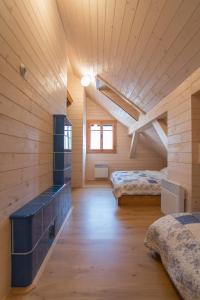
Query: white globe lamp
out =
(85, 80)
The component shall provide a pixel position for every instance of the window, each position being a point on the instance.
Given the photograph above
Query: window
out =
(101, 136)
(68, 137)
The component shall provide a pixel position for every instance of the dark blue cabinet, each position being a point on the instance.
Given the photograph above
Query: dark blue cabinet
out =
(34, 228)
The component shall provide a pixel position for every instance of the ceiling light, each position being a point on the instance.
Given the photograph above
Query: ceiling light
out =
(85, 80)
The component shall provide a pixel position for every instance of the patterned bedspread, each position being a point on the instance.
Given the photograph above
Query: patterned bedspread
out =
(136, 183)
(177, 239)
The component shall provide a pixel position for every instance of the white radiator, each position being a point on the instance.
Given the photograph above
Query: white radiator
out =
(172, 197)
(101, 171)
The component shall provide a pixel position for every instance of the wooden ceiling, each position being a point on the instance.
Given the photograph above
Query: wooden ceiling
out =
(143, 48)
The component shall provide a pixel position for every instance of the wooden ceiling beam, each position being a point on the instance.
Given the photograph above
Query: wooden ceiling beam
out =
(161, 133)
(69, 99)
(160, 127)
(134, 144)
(101, 83)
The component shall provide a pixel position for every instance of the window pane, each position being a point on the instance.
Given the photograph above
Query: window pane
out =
(94, 127)
(66, 143)
(107, 127)
(107, 140)
(95, 140)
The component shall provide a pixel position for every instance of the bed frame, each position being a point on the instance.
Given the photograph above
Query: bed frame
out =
(139, 200)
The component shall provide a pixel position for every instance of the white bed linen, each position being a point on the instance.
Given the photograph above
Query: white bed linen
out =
(177, 240)
(136, 182)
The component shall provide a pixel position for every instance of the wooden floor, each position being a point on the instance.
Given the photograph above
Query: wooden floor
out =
(100, 254)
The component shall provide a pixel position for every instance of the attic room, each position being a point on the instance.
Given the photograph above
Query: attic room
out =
(99, 149)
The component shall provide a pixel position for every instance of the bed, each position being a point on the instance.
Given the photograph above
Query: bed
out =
(137, 187)
(176, 238)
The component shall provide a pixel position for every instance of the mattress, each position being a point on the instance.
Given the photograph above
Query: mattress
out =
(136, 182)
(177, 240)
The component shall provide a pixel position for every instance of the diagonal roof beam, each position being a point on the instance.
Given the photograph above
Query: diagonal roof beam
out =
(161, 133)
(134, 144)
(109, 91)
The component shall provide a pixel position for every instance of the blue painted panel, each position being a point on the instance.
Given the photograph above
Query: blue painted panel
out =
(33, 234)
(58, 143)
(59, 161)
(59, 122)
(58, 177)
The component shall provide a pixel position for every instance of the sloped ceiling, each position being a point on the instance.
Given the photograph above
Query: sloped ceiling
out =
(143, 48)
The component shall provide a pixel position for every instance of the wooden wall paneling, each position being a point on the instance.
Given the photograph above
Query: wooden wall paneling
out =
(86, 33)
(163, 22)
(138, 23)
(76, 23)
(53, 36)
(28, 16)
(179, 77)
(174, 43)
(125, 32)
(20, 129)
(30, 33)
(13, 161)
(118, 20)
(76, 116)
(35, 34)
(148, 27)
(17, 32)
(94, 34)
(100, 34)
(196, 151)
(17, 41)
(7, 72)
(110, 7)
(18, 113)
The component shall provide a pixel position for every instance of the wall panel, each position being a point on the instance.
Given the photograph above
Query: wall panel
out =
(196, 151)
(30, 33)
(76, 113)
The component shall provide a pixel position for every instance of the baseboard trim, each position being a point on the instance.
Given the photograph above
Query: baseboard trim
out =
(33, 285)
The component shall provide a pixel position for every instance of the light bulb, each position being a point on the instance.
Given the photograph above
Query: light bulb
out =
(85, 80)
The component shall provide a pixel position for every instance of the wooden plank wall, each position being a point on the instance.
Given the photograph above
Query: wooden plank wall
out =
(178, 106)
(76, 114)
(196, 151)
(30, 33)
(145, 158)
